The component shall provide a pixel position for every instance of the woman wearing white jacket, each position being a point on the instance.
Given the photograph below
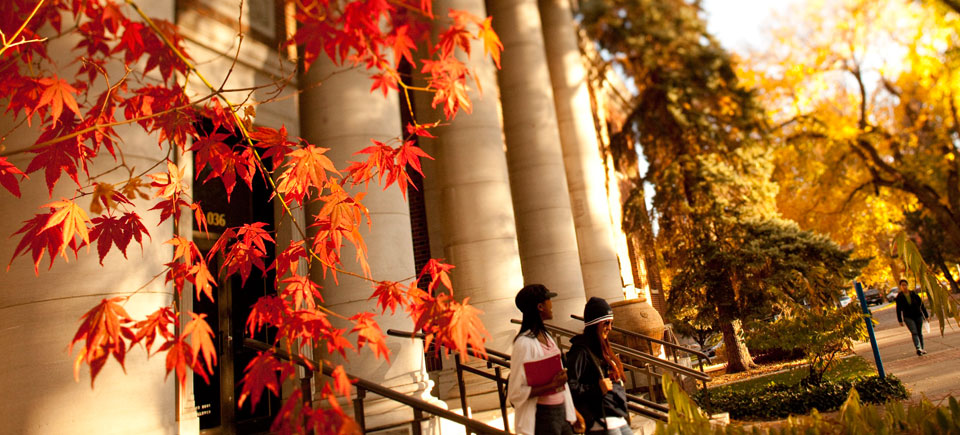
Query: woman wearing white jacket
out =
(545, 409)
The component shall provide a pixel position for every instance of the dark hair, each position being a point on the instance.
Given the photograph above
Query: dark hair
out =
(529, 297)
(602, 350)
(903, 281)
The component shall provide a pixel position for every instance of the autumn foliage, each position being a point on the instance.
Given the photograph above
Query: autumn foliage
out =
(128, 69)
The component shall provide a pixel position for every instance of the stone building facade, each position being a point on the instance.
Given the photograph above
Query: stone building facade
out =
(521, 192)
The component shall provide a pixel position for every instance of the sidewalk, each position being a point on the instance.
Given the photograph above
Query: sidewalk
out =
(936, 375)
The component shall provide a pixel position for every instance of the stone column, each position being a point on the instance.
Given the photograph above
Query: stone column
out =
(545, 227)
(39, 314)
(586, 176)
(479, 235)
(342, 114)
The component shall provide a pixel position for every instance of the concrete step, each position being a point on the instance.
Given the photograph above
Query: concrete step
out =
(639, 424)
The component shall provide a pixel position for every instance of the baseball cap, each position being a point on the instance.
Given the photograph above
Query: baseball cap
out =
(532, 294)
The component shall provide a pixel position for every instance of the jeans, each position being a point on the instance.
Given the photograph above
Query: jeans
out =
(622, 430)
(552, 420)
(916, 330)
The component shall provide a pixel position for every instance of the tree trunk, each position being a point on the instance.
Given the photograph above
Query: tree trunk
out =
(953, 4)
(738, 356)
(949, 276)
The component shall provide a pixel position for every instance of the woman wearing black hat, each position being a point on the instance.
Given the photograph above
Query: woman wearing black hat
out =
(544, 409)
(596, 373)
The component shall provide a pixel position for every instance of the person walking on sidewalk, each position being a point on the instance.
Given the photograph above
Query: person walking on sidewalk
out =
(910, 310)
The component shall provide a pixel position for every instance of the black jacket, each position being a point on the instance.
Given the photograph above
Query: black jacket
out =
(913, 309)
(584, 369)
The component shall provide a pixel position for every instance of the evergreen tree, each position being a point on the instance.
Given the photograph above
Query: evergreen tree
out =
(704, 137)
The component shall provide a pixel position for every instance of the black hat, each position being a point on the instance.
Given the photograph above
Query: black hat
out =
(532, 294)
(596, 311)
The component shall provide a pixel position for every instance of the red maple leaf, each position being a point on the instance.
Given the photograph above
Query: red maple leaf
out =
(37, 238)
(268, 310)
(71, 220)
(159, 322)
(57, 93)
(203, 281)
(368, 332)
(427, 313)
(491, 42)
(248, 249)
(8, 176)
(275, 143)
(401, 43)
(260, 373)
(306, 169)
(453, 37)
(336, 341)
(463, 328)
(199, 217)
(379, 160)
(60, 157)
(302, 292)
(288, 259)
(132, 42)
(421, 130)
(163, 109)
(341, 382)
(191, 267)
(103, 332)
(161, 57)
(112, 230)
(201, 339)
(438, 273)
(169, 187)
(384, 81)
(180, 358)
(224, 161)
(389, 294)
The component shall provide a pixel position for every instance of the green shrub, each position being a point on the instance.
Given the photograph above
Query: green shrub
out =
(776, 401)
(873, 389)
(854, 417)
(822, 333)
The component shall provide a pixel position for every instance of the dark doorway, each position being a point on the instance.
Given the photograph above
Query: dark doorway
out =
(216, 402)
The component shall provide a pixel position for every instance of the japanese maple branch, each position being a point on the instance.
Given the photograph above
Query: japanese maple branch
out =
(243, 130)
(7, 43)
(96, 127)
(410, 8)
(236, 56)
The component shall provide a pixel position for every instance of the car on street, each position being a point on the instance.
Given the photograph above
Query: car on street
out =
(844, 300)
(893, 294)
(873, 296)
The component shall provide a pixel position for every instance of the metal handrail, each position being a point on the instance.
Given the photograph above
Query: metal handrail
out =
(673, 346)
(649, 359)
(492, 357)
(363, 385)
(498, 357)
(634, 403)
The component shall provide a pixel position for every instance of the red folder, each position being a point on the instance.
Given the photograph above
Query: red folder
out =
(541, 372)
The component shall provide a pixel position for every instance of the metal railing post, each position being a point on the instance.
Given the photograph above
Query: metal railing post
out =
(417, 418)
(461, 385)
(364, 386)
(502, 395)
(358, 409)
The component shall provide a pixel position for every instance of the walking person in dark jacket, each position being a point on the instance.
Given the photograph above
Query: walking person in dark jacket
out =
(596, 374)
(910, 310)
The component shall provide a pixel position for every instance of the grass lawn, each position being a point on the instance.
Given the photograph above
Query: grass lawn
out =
(846, 368)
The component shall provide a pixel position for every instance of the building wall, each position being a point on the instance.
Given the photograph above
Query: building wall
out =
(471, 197)
(39, 314)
